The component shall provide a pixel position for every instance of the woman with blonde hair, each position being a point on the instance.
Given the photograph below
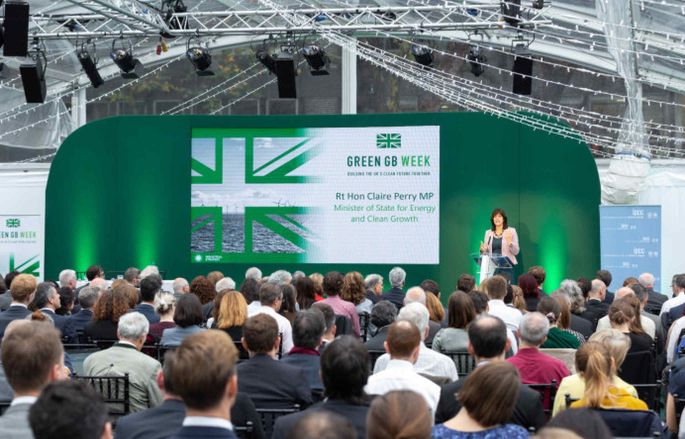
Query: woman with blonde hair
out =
(165, 305)
(598, 371)
(436, 312)
(232, 314)
(617, 345)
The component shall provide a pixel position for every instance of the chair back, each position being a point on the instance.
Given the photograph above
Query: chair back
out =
(548, 393)
(268, 416)
(114, 390)
(566, 355)
(631, 423)
(4, 405)
(244, 431)
(679, 407)
(162, 350)
(78, 352)
(364, 322)
(639, 368)
(464, 362)
(373, 356)
(343, 325)
(651, 394)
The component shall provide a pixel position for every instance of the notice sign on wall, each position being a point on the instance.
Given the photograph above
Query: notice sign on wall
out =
(630, 239)
(316, 195)
(21, 243)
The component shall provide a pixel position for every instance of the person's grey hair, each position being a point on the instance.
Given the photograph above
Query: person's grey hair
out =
(280, 277)
(415, 294)
(615, 341)
(225, 284)
(397, 276)
(131, 274)
(66, 276)
(417, 314)
(372, 280)
(299, 274)
(573, 291)
(133, 326)
(179, 284)
(150, 269)
(533, 328)
(253, 273)
(383, 313)
(164, 302)
(87, 296)
(597, 286)
(646, 279)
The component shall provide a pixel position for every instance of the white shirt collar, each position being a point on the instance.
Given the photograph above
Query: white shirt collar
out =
(24, 400)
(23, 305)
(127, 342)
(206, 421)
(399, 364)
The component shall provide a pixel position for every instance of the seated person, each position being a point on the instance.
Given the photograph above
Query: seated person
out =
(308, 330)
(399, 414)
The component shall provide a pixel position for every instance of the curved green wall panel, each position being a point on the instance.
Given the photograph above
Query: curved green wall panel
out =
(118, 195)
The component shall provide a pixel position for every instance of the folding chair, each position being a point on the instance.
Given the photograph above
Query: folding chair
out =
(269, 416)
(463, 360)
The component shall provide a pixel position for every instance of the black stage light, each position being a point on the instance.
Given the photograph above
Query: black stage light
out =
(16, 29)
(523, 76)
(199, 57)
(124, 59)
(265, 58)
(423, 55)
(33, 77)
(511, 11)
(476, 59)
(317, 59)
(89, 65)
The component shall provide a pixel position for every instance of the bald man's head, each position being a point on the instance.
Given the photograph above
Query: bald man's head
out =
(415, 294)
(623, 292)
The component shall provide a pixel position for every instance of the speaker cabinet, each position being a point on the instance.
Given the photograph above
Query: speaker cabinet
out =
(16, 29)
(523, 71)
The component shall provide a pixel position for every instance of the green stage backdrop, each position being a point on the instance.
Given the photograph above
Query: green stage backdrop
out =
(119, 195)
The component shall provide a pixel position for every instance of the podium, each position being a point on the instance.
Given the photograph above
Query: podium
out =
(489, 265)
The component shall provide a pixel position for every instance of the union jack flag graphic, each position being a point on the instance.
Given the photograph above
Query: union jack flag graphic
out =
(388, 140)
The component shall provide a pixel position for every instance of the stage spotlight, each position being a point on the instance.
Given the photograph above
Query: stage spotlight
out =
(265, 58)
(89, 65)
(423, 55)
(16, 28)
(200, 58)
(33, 77)
(476, 59)
(317, 59)
(124, 59)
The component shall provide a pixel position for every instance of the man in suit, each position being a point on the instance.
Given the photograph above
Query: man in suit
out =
(395, 294)
(488, 343)
(125, 357)
(344, 371)
(181, 287)
(23, 291)
(605, 276)
(382, 315)
(269, 382)
(48, 301)
(308, 330)
(595, 308)
(149, 287)
(204, 376)
(417, 294)
(6, 297)
(329, 319)
(69, 409)
(67, 278)
(374, 287)
(32, 356)
(93, 272)
(656, 300)
(86, 298)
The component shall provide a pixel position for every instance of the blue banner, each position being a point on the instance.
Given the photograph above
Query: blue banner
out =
(630, 241)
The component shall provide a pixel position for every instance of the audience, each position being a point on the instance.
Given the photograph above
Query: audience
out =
(329, 319)
(595, 308)
(418, 295)
(605, 276)
(383, 314)
(333, 284)
(69, 409)
(534, 366)
(624, 318)
(250, 290)
(289, 304)
(306, 293)
(399, 414)
(374, 287)
(395, 294)
(647, 324)
(308, 330)
(655, 300)
(32, 357)
(132, 276)
(109, 308)
(531, 292)
(66, 302)
(231, 314)
(487, 401)
(225, 284)
(180, 287)
(466, 283)
(23, 290)
(344, 372)
(402, 345)
(322, 425)
(461, 312)
(586, 423)
(565, 316)
(149, 287)
(165, 307)
(354, 291)
(269, 382)
(436, 312)
(203, 288)
(488, 343)
(570, 288)
(47, 300)
(124, 357)
(557, 338)
(271, 299)
(187, 317)
(497, 289)
(86, 299)
(428, 362)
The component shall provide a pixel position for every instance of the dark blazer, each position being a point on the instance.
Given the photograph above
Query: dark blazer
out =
(207, 309)
(272, 384)
(356, 414)
(148, 311)
(579, 324)
(5, 300)
(673, 314)
(101, 330)
(372, 296)
(309, 364)
(203, 433)
(81, 319)
(609, 298)
(164, 420)
(395, 296)
(375, 343)
(63, 324)
(15, 312)
(594, 310)
(528, 411)
(655, 301)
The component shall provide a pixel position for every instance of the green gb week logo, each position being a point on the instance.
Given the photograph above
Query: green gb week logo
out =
(389, 141)
(12, 223)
